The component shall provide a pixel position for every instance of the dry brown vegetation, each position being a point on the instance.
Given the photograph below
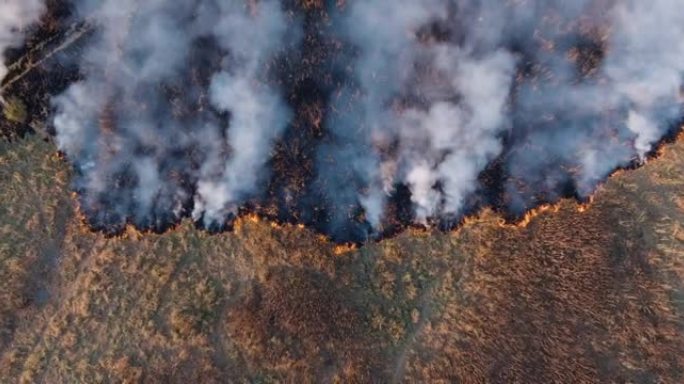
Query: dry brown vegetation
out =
(575, 295)
(571, 297)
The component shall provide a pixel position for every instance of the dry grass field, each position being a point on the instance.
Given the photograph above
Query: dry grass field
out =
(577, 294)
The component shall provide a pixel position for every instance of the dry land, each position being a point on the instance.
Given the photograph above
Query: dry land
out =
(576, 294)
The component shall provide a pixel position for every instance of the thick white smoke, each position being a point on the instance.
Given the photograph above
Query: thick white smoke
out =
(138, 126)
(440, 90)
(646, 64)
(452, 142)
(432, 110)
(179, 105)
(258, 115)
(15, 17)
(579, 129)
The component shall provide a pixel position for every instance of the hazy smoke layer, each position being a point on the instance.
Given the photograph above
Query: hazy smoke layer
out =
(427, 112)
(15, 16)
(560, 92)
(461, 103)
(573, 123)
(258, 115)
(173, 108)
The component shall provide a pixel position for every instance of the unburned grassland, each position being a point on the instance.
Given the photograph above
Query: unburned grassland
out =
(576, 295)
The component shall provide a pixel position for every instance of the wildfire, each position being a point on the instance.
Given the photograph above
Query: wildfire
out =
(252, 217)
(486, 215)
(248, 218)
(534, 213)
(343, 249)
(584, 207)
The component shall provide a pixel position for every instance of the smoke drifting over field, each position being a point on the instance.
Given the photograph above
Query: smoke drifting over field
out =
(148, 133)
(15, 17)
(429, 109)
(446, 87)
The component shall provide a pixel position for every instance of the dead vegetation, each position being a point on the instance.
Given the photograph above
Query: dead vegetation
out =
(573, 296)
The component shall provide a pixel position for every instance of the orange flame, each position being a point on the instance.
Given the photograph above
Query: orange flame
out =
(343, 249)
(534, 213)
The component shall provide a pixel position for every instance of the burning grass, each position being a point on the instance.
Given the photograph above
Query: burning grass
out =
(568, 292)
(310, 76)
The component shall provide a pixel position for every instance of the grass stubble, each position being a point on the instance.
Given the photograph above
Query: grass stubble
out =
(577, 293)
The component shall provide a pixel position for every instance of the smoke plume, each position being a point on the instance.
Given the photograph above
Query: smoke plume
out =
(429, 109)
(428, 112)
(173, 110)
(560, 93)
(15, 17)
